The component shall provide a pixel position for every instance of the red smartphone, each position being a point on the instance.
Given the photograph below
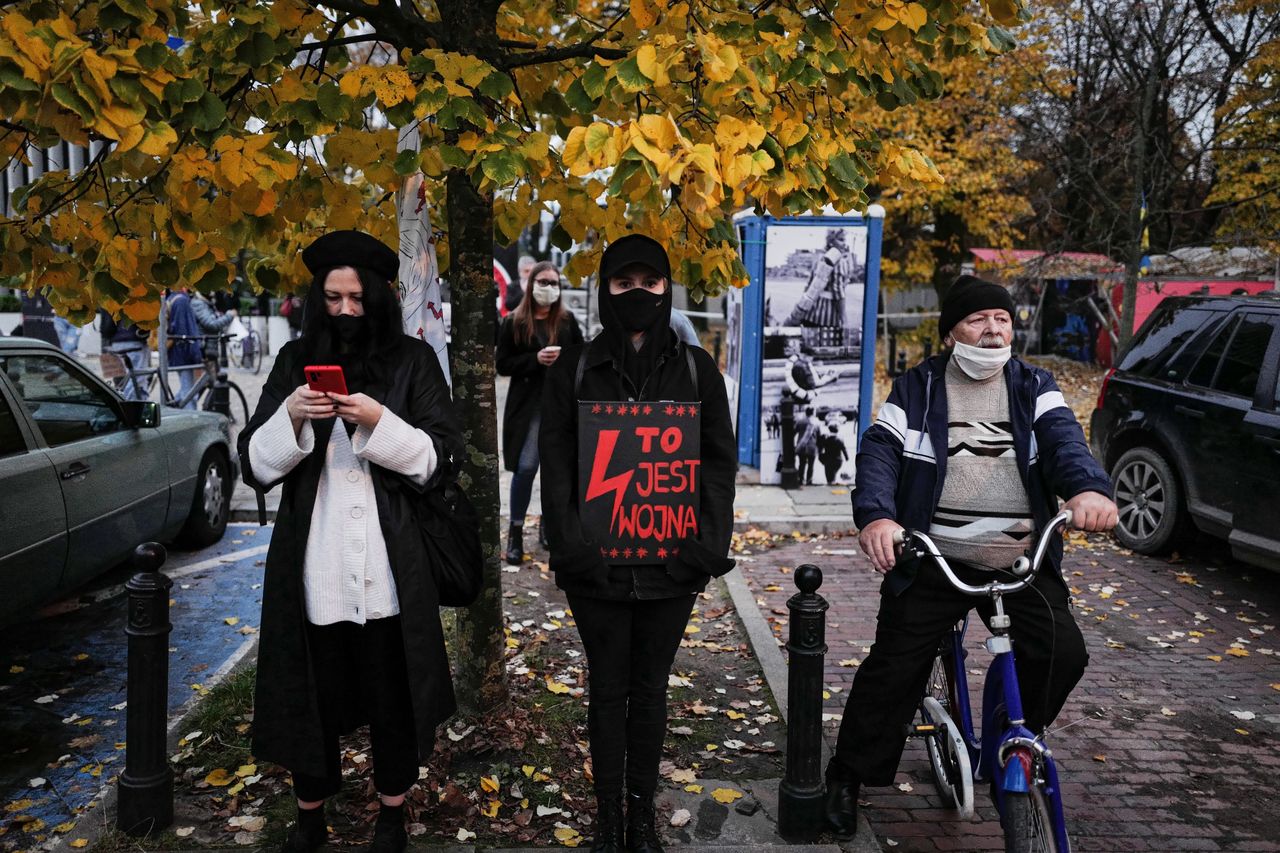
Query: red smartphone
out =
(326, 378)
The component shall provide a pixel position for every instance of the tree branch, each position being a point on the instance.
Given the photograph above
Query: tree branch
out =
(586, 50)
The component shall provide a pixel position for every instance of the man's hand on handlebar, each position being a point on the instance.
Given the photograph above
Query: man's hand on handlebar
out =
(877, 543)
(1092, 511)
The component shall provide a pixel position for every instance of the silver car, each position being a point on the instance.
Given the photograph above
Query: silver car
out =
(86, 476)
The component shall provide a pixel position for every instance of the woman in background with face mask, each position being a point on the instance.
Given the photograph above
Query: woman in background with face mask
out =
(350, 615)
(528, 343)
(632, 614)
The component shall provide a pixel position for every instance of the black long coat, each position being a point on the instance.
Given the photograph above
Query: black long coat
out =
(286, 723)
(575, 561)
(524, 395)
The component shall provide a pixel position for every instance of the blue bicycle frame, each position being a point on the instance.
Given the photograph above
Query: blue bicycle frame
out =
(1018, 755)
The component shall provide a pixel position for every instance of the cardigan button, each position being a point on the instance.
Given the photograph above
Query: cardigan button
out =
(353, 477)
(357, 512)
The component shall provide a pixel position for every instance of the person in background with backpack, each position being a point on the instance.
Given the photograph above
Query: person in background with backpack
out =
(351, 628)
(631, 616)
(130, 343)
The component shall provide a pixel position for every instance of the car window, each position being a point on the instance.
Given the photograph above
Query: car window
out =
(1162, 336)
(11, 440)
(1203, 372)
(65, 406)
(1243, 361)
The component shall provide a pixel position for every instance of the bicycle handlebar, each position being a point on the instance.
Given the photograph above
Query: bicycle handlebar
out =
(1024, 568)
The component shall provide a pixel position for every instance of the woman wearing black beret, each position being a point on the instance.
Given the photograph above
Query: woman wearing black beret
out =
(350, 628)
(631, 616)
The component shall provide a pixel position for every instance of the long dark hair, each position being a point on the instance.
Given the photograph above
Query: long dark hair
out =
(381, 307)
(522, 319)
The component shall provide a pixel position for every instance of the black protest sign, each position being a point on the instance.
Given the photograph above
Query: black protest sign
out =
(639, 476)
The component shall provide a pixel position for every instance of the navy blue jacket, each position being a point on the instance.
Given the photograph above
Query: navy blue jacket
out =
(899, 475)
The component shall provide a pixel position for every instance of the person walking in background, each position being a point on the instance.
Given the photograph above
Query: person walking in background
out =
(517, 290)
(631, 616)
(832, 453)
(807, 430)
(207, 316)
(350, 613)
(130, 343)
(529, 341)
(184, 350)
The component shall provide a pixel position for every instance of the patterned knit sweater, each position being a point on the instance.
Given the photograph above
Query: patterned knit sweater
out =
(984, 514)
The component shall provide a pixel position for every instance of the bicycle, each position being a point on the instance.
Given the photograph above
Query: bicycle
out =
(210, 383)
(246, 352)
(1017, 762)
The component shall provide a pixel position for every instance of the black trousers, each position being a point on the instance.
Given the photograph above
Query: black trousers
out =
(360, 675)
(630, 647)
(1050, 655)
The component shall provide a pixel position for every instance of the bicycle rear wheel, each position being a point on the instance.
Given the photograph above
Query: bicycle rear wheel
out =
(1027, 823)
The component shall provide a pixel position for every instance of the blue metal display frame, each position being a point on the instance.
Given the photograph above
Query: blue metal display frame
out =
(755, 236)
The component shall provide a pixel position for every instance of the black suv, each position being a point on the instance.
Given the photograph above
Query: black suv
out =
(1188, 424)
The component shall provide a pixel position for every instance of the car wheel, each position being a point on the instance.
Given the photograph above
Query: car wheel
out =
(211, 504)
(1149, 498)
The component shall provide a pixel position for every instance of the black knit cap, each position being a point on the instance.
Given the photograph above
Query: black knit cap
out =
(969, 294)
(634, 249)
(351, 249)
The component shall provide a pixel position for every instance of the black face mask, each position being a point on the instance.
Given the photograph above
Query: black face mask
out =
(638, 309)
(349, 330)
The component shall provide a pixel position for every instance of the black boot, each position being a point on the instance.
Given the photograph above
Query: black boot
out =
(542, 534)
(842, 806)
(515, 545)
(608, 835)
(308, 834)
(642, 830)
(389, 835)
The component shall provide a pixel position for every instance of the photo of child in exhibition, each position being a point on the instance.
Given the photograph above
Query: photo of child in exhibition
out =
(814, 283)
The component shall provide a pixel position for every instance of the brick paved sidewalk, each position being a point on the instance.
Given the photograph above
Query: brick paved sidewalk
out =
(1169, 742)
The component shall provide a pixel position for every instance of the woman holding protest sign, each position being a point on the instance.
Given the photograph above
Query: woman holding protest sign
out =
(639, 459)
(355, 421)
(529, 341)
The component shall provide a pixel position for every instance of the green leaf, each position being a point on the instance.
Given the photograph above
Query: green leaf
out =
(594, 81)
(165, 270)
(420, 65)
(151, 55)
(625, 170)
(67, 97)
(502, 167)
(331, 102)
(208, 113)
(454, 157)
(496, 86)
(844, 170)
(576, 97)
(430, 99)
(406, 162)
(560, 238)
(630, 77)
(1001, 38)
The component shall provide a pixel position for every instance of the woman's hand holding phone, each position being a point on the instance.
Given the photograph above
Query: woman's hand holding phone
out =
(305, 405)
(359, 409)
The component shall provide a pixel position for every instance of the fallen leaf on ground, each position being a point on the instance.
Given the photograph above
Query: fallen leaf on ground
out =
(219, 778)
(680, 817)
(725, 795)
(184, 831)
(464, 834)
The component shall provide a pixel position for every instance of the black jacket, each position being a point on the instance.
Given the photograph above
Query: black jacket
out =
(286, 723)
(524, 395)
(576, 562)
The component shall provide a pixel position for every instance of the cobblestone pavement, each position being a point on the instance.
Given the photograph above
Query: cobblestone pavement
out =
(1168, 743)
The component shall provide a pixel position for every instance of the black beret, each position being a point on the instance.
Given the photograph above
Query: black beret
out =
(967, 295)
(351, 249)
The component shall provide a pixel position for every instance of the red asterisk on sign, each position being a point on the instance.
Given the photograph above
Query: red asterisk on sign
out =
(662, 553)
(627, 553)
(613, 552)
(642, 552)
(693, 411)
(608, 410)
(680, 411)
(648, 410)
(595, 410)
(635, 410)
(670, 410)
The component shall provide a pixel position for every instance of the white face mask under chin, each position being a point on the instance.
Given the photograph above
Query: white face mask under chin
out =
(545, 294)
(979, 363)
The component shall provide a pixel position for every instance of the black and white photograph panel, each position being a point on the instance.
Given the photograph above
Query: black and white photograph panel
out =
(808, 409)
(815, 276)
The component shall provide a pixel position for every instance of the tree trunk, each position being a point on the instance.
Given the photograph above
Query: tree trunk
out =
(478, 665)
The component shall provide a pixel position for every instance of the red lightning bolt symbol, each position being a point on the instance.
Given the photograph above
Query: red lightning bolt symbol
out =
(599, 483)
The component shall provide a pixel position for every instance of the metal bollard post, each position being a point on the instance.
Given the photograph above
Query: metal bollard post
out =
(146, 786)
(801, 795)
(893, 353)
(221, 401)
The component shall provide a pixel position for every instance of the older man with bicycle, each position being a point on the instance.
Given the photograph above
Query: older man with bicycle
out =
(975, 448)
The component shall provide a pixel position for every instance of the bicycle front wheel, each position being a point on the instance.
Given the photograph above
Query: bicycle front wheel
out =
(1027, 823)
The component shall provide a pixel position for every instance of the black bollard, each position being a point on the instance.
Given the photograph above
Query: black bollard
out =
(787, 461)
(801, 795)
(146, 785)
(893, 353)
(221, 400)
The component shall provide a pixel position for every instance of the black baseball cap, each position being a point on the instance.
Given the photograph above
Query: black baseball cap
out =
(634, 249)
